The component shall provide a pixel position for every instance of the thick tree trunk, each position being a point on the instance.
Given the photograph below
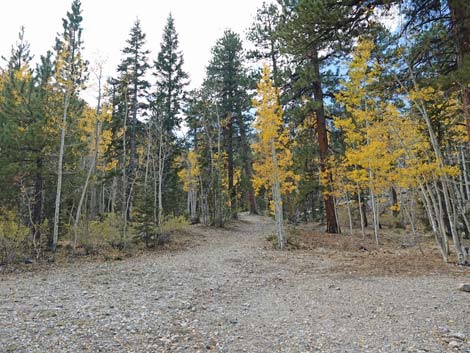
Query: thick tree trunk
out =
(395, 211)
(331, 224)
(247, 164)
(460, 14)
(231, 187)
(219, 198)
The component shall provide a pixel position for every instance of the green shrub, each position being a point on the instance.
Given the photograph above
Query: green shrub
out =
(153, 235)
(102, 235)
(13, 237)
(173, 224)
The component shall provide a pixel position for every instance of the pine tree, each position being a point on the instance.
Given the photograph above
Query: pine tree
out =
(171, 81)
(227, 79)
(70, 75)
(131, 105)
(312, 32)
(171, 78)
(264, 35)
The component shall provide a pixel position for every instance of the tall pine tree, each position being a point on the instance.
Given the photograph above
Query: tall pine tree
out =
(70, 76)
(131, 104)
(171, 81)
(227, 78)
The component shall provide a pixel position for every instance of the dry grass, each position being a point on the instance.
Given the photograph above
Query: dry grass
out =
(178, 241)
(397, 255)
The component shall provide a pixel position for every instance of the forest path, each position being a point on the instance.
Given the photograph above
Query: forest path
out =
(229, 293)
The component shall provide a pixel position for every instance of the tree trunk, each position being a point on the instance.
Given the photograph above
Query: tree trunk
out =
(395, 211)
(231, 187)
(277, 198)
(37, 215)
(219, 198)
(161, 166)
(91, 168)
(460, 15)
(348, 202)
(361, 211)
(331, 224)
(247, 164)
(63, 130)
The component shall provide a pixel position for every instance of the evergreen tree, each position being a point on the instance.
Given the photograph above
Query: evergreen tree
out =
(131, 103)
(227, 79)
(171, 80)
(264, 35)
(313, 32)
(70, 76)
(133, 83)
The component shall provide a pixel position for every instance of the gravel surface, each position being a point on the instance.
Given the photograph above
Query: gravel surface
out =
(230, 293)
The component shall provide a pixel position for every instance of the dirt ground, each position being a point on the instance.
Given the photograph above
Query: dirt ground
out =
(229, 291)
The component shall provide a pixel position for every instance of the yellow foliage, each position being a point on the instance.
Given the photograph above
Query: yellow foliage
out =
(12, 235)
(190, 173)
(272, 134)
(384, 147)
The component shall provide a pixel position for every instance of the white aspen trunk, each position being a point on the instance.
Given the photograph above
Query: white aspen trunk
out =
(63, 130)
(91, 168)
(441, 223)
(349, 214)
(375, 216)
(113, 195)
(85, 187)
(335, 204)
(124, 173)
(461, 253)
(428, 207)
(155, 192)
(204, 193)
(465, 175)
(460, 206)
(147, 163)
(411, 219)
(277, 198)
(161, 166)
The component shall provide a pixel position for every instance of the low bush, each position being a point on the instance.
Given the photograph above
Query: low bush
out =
(103, 235)
(13, 237)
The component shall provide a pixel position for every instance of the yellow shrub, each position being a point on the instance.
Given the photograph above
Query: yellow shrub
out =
(13, 236)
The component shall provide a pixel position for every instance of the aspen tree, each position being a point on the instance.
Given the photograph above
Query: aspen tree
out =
(273, 165)
(70, 76)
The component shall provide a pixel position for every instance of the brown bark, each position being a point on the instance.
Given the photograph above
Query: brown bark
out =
(38, 201)
(331, 223)
(245, 148)
(228, 132)
(460, 14)
(395, 212)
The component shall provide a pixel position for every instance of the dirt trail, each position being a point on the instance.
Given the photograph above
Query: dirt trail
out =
(229, 293)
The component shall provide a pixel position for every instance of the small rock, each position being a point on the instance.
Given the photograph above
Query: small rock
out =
(465, 287)
(454, 344)
(458, 335)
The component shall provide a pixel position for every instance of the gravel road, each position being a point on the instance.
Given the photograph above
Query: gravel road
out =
(230, 293)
